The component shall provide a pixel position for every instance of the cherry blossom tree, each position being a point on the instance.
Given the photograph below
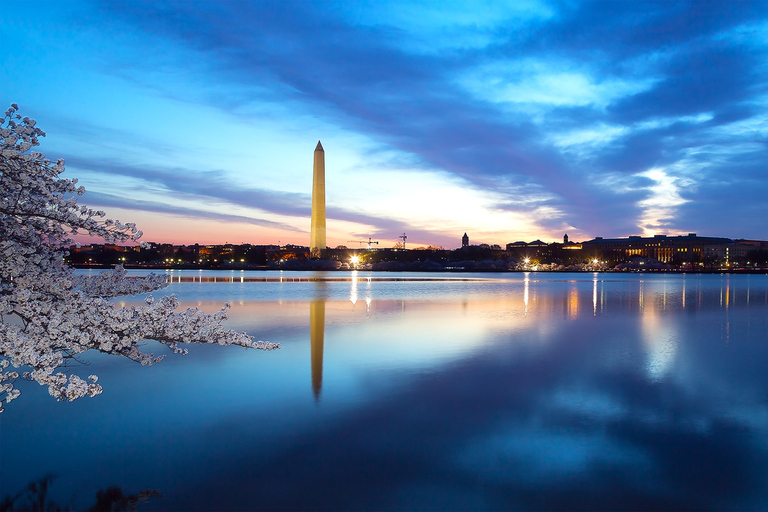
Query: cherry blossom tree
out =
(48, 313)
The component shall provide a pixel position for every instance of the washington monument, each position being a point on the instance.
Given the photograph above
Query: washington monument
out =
(317, 232)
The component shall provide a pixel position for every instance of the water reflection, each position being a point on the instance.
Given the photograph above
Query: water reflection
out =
(317, 325)
(317, 335)
(594, 294)
(503, 394)
(353, 290)
(682, 296)
(573, 302)
(659, 339)
(527, 284)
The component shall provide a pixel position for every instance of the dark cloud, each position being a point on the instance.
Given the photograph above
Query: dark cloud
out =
(359, 79)
(364, 79)
(730, 199)
(702, 80)
(614, 32)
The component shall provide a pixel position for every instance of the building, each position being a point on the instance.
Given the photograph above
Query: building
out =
(523, 250)
(465, 240)
(666, 249)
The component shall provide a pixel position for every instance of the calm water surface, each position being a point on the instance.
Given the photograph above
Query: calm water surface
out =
(496, 391)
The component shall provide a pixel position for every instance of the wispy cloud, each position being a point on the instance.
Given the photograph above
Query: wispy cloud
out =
(555, 110)
(659, 208)
(210, 184)
(668, 65)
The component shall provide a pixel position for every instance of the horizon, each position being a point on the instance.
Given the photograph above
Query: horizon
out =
(508, 122)
(381, 247)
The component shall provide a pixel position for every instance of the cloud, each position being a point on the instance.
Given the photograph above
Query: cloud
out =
(560, 97)
(661, 206)
(182, 186)
(211, 184)
(704, 79)
(108, 200)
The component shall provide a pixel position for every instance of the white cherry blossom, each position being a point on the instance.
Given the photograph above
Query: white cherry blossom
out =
(48, 314)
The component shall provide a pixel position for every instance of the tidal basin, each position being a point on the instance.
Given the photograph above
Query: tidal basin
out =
(509, 391)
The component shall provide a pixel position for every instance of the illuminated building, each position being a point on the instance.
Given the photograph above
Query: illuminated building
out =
(666, 249)
(317, 232)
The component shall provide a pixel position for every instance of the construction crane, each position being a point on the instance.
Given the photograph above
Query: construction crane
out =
(369, 242)
(403, 237)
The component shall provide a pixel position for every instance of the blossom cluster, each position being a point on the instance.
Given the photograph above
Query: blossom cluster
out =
(48, 314)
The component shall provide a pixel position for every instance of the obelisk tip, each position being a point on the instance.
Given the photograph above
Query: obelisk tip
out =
(319, 147)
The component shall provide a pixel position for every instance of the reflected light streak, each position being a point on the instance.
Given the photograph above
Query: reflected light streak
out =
(683, 297)
(602, 299)
(594, 295)
(727, 313)
(525, 292)
(573, 303)
(353, 291)
(368, 297)
(660, 340)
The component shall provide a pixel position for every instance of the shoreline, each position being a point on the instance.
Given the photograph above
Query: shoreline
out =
(431, 271)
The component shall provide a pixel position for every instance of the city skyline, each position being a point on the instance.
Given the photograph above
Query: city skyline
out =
(509, 122)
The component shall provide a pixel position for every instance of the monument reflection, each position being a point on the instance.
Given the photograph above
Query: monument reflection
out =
(317, 308)
(316, 337)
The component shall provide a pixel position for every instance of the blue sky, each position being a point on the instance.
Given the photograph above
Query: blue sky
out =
(507, 120)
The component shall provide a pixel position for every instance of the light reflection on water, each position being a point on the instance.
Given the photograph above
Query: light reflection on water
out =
(507, 391)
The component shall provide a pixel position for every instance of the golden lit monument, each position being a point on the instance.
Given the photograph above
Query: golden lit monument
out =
(317, 233)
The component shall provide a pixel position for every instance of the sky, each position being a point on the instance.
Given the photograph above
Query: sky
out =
(508, 121)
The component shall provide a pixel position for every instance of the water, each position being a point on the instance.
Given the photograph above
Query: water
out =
(464, 391)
